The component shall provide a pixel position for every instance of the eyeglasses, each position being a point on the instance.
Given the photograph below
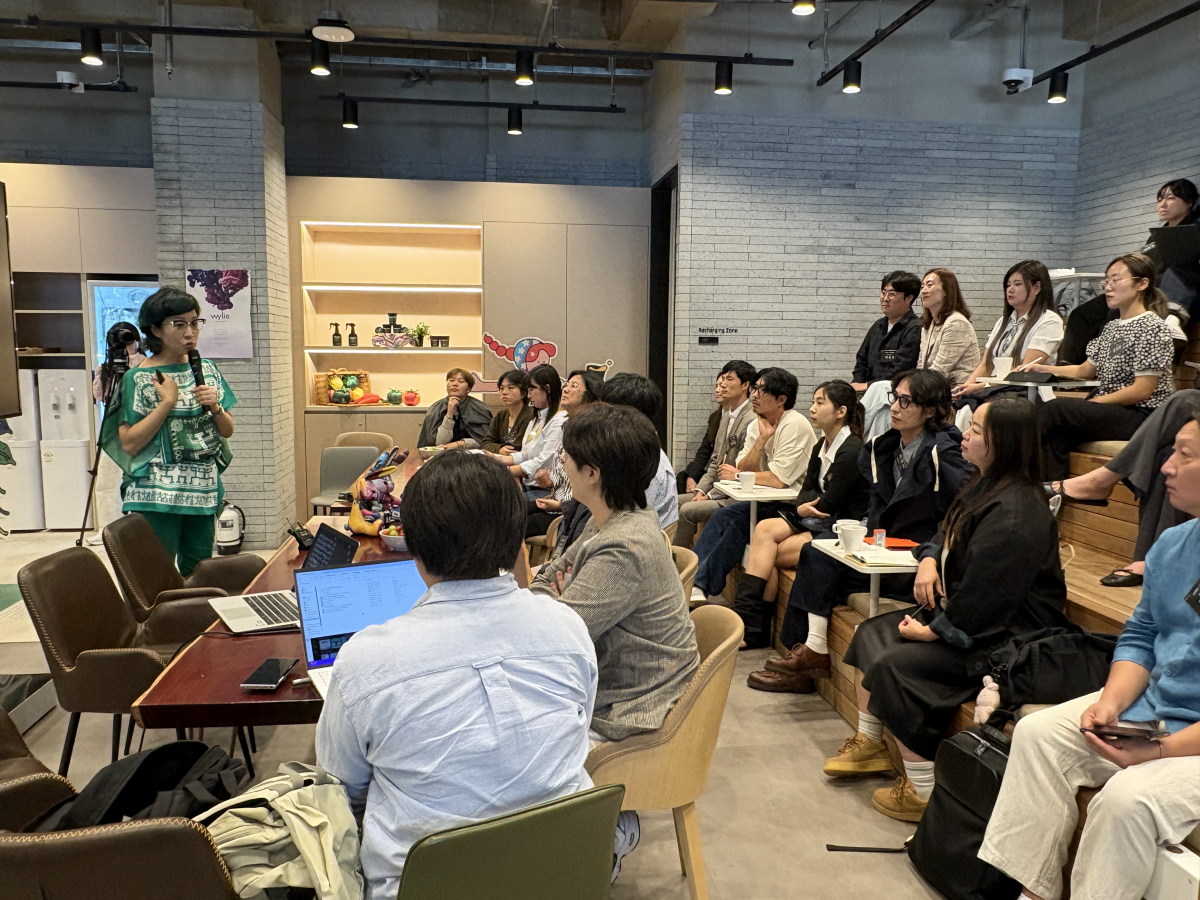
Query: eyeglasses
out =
(1113, 282)
(757, 389)
(184, 324)
(889, 295)
(904, 400)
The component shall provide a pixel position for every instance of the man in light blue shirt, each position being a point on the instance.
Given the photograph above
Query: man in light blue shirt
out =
(474, 704)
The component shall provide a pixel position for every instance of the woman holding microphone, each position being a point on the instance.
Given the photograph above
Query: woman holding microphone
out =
(169, 435)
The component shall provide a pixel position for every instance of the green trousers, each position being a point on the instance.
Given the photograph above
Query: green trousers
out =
(188, 538)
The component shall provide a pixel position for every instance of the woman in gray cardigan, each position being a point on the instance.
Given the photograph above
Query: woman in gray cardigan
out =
(620, 576)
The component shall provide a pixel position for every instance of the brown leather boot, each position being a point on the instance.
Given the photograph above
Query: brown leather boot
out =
(802, 661)
(775, 683)
(774, 661)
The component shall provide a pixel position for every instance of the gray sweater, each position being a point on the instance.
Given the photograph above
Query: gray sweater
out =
(625, 587)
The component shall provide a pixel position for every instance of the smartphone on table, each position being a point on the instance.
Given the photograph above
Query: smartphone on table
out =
(270, 675)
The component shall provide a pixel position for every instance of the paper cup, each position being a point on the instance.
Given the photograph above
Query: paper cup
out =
(1001, 367)
(851, 537)
(746, 480)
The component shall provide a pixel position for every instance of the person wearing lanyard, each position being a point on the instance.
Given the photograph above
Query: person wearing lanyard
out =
(543, 437)
(170, 435)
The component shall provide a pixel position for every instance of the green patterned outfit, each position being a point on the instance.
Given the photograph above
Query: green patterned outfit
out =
(175, 480)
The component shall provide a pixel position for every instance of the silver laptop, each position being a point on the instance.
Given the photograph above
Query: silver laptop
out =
(338, 602)
(247, 613)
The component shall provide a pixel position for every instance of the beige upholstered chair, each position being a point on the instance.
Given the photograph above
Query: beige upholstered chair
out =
(376, 439)
(668, 768)
(670, 530)
(686, 562)
(542, 545)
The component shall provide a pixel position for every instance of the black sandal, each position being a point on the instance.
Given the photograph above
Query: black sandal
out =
(1122, 577)
(1052, 492)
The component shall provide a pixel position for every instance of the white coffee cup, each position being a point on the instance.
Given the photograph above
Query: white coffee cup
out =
(746, 480)
(850, 534)
(1001, 367)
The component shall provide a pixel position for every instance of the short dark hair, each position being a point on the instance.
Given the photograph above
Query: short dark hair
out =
(620, 442)
(631, 389)
(517, 379)
(1181, 188)
(745, 372)
(466, 376)
(464, 516)
(593, 384)
(930, 390)
(779, 383)
(162, 304)
(906, 283)
(546, 377)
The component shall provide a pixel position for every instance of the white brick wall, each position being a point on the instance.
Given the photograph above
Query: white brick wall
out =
(787, 225)
(221, 196)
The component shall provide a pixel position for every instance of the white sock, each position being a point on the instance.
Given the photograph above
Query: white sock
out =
(818, 634)
(870, 727)
(920, 774)
(698, 595)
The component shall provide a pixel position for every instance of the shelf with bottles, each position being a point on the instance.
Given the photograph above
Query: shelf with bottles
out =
(457, 314)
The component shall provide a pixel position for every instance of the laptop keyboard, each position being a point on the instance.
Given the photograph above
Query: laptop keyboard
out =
(278, 608)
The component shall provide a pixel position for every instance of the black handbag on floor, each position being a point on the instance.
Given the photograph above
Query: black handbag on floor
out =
(945, 849)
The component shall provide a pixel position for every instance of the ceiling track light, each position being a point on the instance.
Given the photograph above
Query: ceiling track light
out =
(514, 120)
(332, 27)
(91, 51)
(852, 77)
(724, 83)
(319, 64)
(804, 7)
(1058, 88)
(349, 113)
(525, 64)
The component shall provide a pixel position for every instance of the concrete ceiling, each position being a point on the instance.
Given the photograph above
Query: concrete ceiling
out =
(1115, 17)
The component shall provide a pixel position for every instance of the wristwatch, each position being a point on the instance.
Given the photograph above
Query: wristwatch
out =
(216, 410)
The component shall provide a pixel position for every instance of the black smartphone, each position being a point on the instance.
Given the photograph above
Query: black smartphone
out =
(1135, 731)
(269, 675)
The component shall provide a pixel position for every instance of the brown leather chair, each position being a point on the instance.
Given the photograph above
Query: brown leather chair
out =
(148, 576)
(101, 659)
(27, 788)
(146, 859)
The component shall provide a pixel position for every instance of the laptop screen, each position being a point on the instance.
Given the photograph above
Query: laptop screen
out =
(336, 603)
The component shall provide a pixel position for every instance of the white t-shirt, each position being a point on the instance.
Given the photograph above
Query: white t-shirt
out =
(787, 451)
(1045, 336)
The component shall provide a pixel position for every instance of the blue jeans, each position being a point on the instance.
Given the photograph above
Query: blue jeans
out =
(721, 546)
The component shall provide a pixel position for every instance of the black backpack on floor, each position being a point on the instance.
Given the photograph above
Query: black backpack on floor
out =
(945, 849)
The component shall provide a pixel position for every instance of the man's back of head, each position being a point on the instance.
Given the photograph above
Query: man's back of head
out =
(631, 389)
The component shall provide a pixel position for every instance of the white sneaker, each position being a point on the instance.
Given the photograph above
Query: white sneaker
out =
(698, 595)
(93, 540)
(629, 834)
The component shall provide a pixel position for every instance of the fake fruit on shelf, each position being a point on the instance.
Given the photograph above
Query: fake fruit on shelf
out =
(350, 382)
(335, 383)
(411, 397)
(342, 396)
(356, 393)
(367, 399)
(395, 396)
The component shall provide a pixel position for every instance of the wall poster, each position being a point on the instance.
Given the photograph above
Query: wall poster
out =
(224, 298)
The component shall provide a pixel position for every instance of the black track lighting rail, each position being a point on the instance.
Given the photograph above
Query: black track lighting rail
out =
(120, 86)
(480, 104)
(1101, 49)
(304, 36)
(879, 38)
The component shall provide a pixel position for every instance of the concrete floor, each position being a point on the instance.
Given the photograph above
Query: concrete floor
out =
(765, 818)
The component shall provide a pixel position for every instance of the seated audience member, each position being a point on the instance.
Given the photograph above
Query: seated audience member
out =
(457, 417)
(778, 445)
(620, 577)
(510, 423)
(915, 471)
(1139, 465)
(543, 436)
(1150, 789)
(642, 394)
(833, 489)
(1177, 205)
(948, 342)
(736, 415)
(691, 474)
(991, 573)
(429, 727)
(1131, 359)
(1029, 331)
(893, 342)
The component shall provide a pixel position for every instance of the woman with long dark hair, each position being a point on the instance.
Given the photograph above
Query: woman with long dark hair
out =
(991, 572)
(543, 436)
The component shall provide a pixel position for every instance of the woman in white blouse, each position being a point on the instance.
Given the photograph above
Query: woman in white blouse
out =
(1028, 332)
(543, 437)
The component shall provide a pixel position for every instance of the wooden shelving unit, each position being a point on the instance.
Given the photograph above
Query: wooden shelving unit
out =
(49, 310)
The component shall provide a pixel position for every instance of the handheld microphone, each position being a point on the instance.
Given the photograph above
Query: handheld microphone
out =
(197, 369)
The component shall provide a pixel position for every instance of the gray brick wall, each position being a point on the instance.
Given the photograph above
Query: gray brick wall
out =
(60, 154)
(222, 202)
(786, 226)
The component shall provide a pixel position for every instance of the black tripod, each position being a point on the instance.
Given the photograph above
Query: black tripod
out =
(112, 400)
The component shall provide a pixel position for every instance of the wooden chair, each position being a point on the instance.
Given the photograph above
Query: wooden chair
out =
(668, 768)
(380, 441)
(542, 545)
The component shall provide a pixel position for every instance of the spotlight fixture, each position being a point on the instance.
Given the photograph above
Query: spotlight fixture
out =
(724, 78)
(1058, 88)
(514, 120)
(349, 113)
(320, 57)
(332, 27)
(852, 77)
(804, 7)
(524, 68)
(90, 49)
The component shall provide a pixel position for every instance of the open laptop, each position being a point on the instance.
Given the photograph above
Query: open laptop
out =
(337, 602)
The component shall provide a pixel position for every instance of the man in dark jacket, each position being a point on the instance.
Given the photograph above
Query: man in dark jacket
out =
(894, 342)
(915, 470)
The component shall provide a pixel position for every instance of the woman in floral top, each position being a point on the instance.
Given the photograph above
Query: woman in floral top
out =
(1132, 360)
(170, 435)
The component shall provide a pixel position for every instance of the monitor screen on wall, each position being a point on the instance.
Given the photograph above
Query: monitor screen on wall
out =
(10, 398)
(113, 302)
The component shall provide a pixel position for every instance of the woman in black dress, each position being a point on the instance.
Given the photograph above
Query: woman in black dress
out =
(991, 572)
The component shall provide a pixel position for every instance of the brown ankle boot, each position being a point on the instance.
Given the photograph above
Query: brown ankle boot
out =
(775, 683)
(803, 661)
(774, 661)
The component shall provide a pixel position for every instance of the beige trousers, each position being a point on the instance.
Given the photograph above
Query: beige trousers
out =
(1139, 808)
(693, 513)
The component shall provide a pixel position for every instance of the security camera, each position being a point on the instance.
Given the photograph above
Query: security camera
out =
(1018, 80)
(70, 82)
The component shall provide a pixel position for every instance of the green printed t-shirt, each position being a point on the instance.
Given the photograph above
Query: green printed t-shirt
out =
(179, 471)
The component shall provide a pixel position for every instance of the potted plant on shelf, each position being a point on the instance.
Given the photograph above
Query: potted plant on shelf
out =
(418, 333)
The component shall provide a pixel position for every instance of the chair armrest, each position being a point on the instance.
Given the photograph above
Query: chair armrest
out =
(108, 681)
(187, 593)
(175, 622)
(230, 573)
(24, 799)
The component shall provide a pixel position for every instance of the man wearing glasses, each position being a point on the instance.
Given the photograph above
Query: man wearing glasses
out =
(893, 343)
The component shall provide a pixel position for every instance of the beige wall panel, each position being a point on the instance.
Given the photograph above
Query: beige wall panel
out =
(574, 204)
(320, 431)
(119, 241)
(607, 296)
(90, 187)
(374, 258)
(524, 288)
(385, 200)
(44, 240)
